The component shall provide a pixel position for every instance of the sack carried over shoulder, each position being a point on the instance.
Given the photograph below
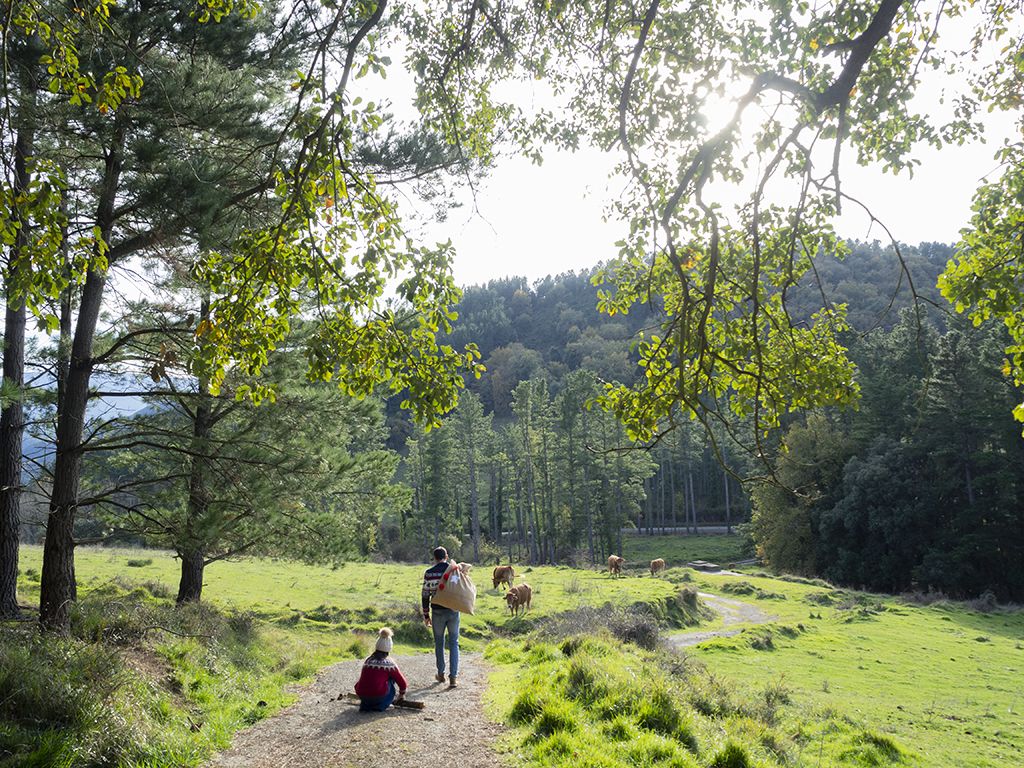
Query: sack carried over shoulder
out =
(456, 590)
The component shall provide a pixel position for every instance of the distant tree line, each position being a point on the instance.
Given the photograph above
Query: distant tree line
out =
(917, 488)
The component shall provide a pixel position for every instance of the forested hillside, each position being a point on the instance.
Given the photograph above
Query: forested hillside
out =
(916, 488)
(552, 328)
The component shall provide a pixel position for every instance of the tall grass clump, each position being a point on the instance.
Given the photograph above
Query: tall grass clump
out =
(598, 701)
(67, 702)
(140, 681)
(608, 702)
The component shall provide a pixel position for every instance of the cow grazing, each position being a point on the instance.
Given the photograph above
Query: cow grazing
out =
(657, 566)
(615, 565)
(504, 574)
(519, 597)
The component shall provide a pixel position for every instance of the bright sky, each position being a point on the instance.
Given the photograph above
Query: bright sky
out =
(537, 221)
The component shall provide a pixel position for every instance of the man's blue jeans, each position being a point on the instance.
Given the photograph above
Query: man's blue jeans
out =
(441, 619)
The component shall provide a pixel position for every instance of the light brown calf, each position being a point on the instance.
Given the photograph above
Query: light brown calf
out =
(504, 574)
(657, 566)
(615, 565)
(519, 597)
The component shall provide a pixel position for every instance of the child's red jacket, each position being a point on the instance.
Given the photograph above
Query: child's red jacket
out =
(373, 680)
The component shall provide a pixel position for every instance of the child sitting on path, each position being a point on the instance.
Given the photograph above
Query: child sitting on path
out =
(378, 679)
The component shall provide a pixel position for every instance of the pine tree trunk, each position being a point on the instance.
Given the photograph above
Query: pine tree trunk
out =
(549, 501)
(520, 528)
(12, 424)
(672, 488)
(494, 498)
(190, 588)
(590, 516)
(12, 419)
(474, 507)
(57, 589)
(728, 516)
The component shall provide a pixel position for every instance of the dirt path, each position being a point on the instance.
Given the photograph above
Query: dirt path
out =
(733, 612)
(319, 731)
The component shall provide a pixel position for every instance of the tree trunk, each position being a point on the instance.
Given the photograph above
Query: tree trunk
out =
(57, 589)
(12, 419)
(672, 488)
(494, 499)
(550, 504)
(474, 507)
(12, 424)
(190, 588)
(728, 516)
(590, 515)
(586, 490)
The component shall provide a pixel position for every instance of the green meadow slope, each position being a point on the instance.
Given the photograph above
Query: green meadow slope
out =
(837, 678)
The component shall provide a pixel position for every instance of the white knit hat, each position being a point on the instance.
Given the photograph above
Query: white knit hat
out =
(384, 641)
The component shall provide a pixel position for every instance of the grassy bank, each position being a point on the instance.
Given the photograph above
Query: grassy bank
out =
(840, 678)
(942, 678)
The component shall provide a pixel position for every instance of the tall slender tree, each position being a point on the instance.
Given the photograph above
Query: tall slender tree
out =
(471, 430)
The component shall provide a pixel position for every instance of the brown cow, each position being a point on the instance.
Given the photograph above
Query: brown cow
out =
(504, 574)
(518, 597)
(657, 566)
(615, 565)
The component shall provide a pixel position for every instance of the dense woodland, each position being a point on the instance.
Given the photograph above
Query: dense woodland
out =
(918, 487)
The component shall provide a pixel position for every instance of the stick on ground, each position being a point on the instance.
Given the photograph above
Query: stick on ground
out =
(407, 703)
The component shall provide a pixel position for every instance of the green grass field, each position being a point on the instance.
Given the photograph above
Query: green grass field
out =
(678, 550)
(942, 681)
(358, 597)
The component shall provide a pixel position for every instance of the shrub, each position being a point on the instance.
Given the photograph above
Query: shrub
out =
(359, 647)
(924, 598)
(636, 626)
(985, 603)
(573, 586)
(158, 589)
(414, 633)
(66, 702)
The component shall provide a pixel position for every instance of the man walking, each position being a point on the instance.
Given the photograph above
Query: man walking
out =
(443, 618)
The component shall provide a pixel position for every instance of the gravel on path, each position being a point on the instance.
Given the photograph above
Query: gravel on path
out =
(321, 731)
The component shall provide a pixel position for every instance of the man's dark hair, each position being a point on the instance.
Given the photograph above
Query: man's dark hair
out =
(440, 554)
